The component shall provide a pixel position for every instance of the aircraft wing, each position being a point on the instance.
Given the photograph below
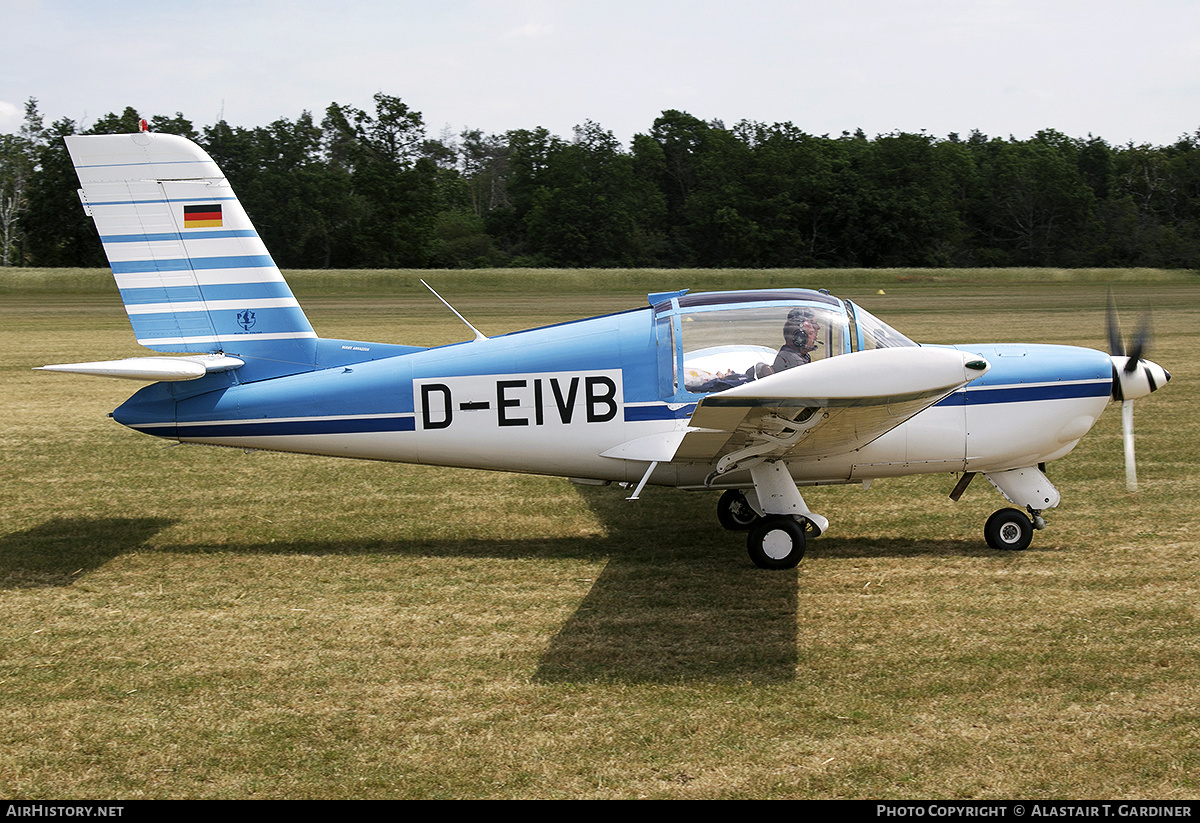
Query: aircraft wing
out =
(829, 407)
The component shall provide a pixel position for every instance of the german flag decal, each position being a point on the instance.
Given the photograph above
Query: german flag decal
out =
(202, 217)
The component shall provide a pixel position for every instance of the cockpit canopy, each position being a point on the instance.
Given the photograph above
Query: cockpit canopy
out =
(723, 339)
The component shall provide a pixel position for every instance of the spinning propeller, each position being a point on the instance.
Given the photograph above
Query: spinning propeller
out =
(1133, 377)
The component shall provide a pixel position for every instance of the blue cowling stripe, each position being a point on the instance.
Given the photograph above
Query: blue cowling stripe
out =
(1026, 394)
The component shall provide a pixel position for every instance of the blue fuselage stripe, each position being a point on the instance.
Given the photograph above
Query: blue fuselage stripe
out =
(285, 428)
(658, 412)
(406, 421)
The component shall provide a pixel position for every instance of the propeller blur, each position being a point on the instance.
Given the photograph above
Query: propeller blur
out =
(1133, 377)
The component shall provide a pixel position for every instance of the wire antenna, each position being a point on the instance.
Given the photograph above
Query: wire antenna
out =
(478, 334)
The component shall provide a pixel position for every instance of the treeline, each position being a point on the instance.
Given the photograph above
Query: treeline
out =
(371, 189)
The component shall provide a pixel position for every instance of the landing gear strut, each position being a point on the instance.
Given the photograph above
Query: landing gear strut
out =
(1012, 529)
(775, 514)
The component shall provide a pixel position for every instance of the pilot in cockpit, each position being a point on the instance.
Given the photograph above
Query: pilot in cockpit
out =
(799, 340)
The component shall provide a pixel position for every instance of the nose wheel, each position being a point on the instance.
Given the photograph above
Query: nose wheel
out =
(1008, 530)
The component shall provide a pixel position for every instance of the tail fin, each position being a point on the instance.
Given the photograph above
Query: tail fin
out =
(192, 271)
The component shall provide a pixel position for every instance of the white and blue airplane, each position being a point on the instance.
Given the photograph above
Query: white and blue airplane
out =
(754, 393)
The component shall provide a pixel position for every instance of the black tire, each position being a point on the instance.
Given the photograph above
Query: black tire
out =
(1008, 530)
(734, 511)
(776, 542)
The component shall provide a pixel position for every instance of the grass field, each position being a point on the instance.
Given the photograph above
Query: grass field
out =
(202, 623)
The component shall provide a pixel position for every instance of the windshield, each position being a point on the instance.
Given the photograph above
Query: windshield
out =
(873, 333)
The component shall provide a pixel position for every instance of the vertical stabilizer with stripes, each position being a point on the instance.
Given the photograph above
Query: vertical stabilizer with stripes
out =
(192, 271)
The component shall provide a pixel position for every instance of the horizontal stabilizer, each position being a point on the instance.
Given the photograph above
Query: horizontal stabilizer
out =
(152, 369)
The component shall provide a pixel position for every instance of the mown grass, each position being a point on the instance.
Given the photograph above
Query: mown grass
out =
(192, 622)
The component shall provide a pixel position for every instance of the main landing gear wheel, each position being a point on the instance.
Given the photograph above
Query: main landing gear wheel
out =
(776, 542)
(1008, 529)
(735, 512)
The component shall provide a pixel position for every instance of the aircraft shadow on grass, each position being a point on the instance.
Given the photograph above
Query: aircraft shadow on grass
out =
(683, 607)
(64, 549)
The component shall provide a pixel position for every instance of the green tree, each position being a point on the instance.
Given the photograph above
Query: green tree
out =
(126, 122)
(484, 162)
(394, 186)
(57, 231)
(18, 162)
(1037, 206)
(906, 212)
(588, 208)
(283, 183)
(672, 159)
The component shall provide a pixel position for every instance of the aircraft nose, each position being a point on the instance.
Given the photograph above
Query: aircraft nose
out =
(1134, 378)
(1156, 375)
(1166, 375)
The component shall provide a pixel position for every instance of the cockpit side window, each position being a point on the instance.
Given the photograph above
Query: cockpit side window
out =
(724, 346)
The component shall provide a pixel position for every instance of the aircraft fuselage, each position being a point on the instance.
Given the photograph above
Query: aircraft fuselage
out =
(508, 403)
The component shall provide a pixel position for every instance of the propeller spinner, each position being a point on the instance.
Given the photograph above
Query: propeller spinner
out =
(1133, 377)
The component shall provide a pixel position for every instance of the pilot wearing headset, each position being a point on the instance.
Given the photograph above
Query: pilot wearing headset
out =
(799, 341)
